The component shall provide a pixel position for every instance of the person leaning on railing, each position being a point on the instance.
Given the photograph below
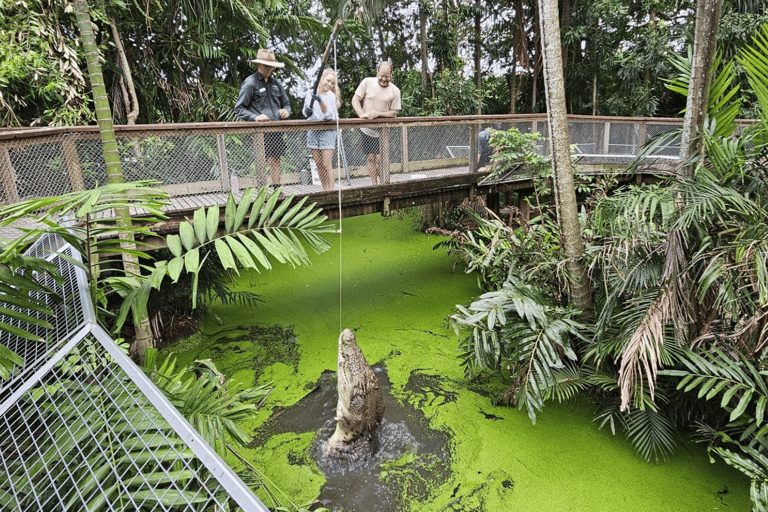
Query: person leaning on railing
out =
(263, 98)
(323, 106)
(375, 97)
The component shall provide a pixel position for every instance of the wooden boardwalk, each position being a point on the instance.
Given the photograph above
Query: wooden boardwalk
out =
(359, 196)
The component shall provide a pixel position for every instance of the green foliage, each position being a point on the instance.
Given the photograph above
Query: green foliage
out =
(454, 95)
(494, 249)
(270, 230)
(201, 395)
(512, 148)
(41, 66)
(518, 330)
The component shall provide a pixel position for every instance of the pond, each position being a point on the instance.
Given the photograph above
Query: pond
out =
(450, 447)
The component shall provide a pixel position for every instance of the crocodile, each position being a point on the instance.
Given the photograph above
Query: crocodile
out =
(360, 407)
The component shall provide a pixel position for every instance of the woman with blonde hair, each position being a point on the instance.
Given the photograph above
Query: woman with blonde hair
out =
(323, 106)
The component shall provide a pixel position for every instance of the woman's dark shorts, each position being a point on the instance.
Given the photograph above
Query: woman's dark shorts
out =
(274, 144)
(369, 144)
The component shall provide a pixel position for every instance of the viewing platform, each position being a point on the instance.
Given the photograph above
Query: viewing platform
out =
(423, 160)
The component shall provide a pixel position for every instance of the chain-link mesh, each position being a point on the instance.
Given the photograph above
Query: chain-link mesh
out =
(82, 428)
(214, 158)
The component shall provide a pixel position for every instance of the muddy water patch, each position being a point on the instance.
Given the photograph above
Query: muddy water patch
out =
(411, 460)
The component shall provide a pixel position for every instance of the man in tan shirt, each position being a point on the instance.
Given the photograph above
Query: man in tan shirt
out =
(375, 97)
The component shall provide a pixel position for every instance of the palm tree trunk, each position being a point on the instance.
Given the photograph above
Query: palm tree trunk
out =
(112, 159)
(704, 44)
(565, 191)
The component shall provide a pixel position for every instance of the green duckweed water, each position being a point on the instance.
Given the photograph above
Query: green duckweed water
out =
(395, 293)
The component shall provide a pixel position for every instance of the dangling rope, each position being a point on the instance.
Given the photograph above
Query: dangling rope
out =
(338, 190)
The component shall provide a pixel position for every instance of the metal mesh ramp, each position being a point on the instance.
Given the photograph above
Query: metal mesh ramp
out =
(82, 427)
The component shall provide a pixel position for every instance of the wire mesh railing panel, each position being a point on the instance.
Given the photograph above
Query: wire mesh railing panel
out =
(437, 150)
(623, 139)
(174, 159)
(67, 313)
(200, 159)
(587, 137)
(33, 162)
(85, 438)
(90, 161)
(82, 428)
(240, 154)
(671, 147)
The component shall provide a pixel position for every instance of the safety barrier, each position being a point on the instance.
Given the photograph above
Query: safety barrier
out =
(199, 158)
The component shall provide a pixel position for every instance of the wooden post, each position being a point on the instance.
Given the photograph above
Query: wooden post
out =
(260, 159)
(522, 205)
(606, 138)
(473, 149)
(8, 177)
(221, 150)
(492, 202)
(72, 160)
(642, 135)
(404, 143)
(384, 141)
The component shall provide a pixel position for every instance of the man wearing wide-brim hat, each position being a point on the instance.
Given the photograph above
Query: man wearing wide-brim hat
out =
(263, 98)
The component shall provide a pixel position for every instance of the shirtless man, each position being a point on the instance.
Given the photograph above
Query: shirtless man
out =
(375, 97)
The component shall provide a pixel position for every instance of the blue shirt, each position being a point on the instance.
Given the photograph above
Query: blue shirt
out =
(258, 96)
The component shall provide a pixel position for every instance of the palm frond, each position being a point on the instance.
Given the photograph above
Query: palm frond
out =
(651, 432)
(256, 229)
(516, 328)
(641, 357)
(742, 387)
(201, 395)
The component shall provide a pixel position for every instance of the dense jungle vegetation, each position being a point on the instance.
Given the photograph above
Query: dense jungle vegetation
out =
(184, 61)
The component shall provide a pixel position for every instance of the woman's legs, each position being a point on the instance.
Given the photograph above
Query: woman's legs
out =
(324, 161)
(330, 171)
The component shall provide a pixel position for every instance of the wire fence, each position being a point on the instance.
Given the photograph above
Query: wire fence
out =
(203, 158)
(82, 427)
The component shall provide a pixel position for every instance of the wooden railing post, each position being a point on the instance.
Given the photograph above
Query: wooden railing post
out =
(404, 144)
(384, 141)
(606, 138)
(8, 176)
(72, 159)
(221, 150)
(260, 159)
(474, 130)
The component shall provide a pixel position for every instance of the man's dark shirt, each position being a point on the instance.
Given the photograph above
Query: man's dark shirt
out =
(484, 147)
(259, 97)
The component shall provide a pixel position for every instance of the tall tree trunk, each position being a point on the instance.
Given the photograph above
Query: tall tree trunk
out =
(565, 191)
(478, 35)
(132, 101)
(512, 79)
(565, 22)
(112, 159)
(534, 88)
(704, 44)
(423, 43)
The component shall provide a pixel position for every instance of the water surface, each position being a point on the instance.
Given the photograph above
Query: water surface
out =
(384, 281)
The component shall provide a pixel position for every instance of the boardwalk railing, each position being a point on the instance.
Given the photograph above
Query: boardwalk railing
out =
(199, 158)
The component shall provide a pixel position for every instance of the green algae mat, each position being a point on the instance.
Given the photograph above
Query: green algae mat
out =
(383, 280)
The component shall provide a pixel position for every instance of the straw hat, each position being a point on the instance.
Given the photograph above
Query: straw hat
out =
(267, 58)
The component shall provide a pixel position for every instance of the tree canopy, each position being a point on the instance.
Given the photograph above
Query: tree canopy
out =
(187, 59)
